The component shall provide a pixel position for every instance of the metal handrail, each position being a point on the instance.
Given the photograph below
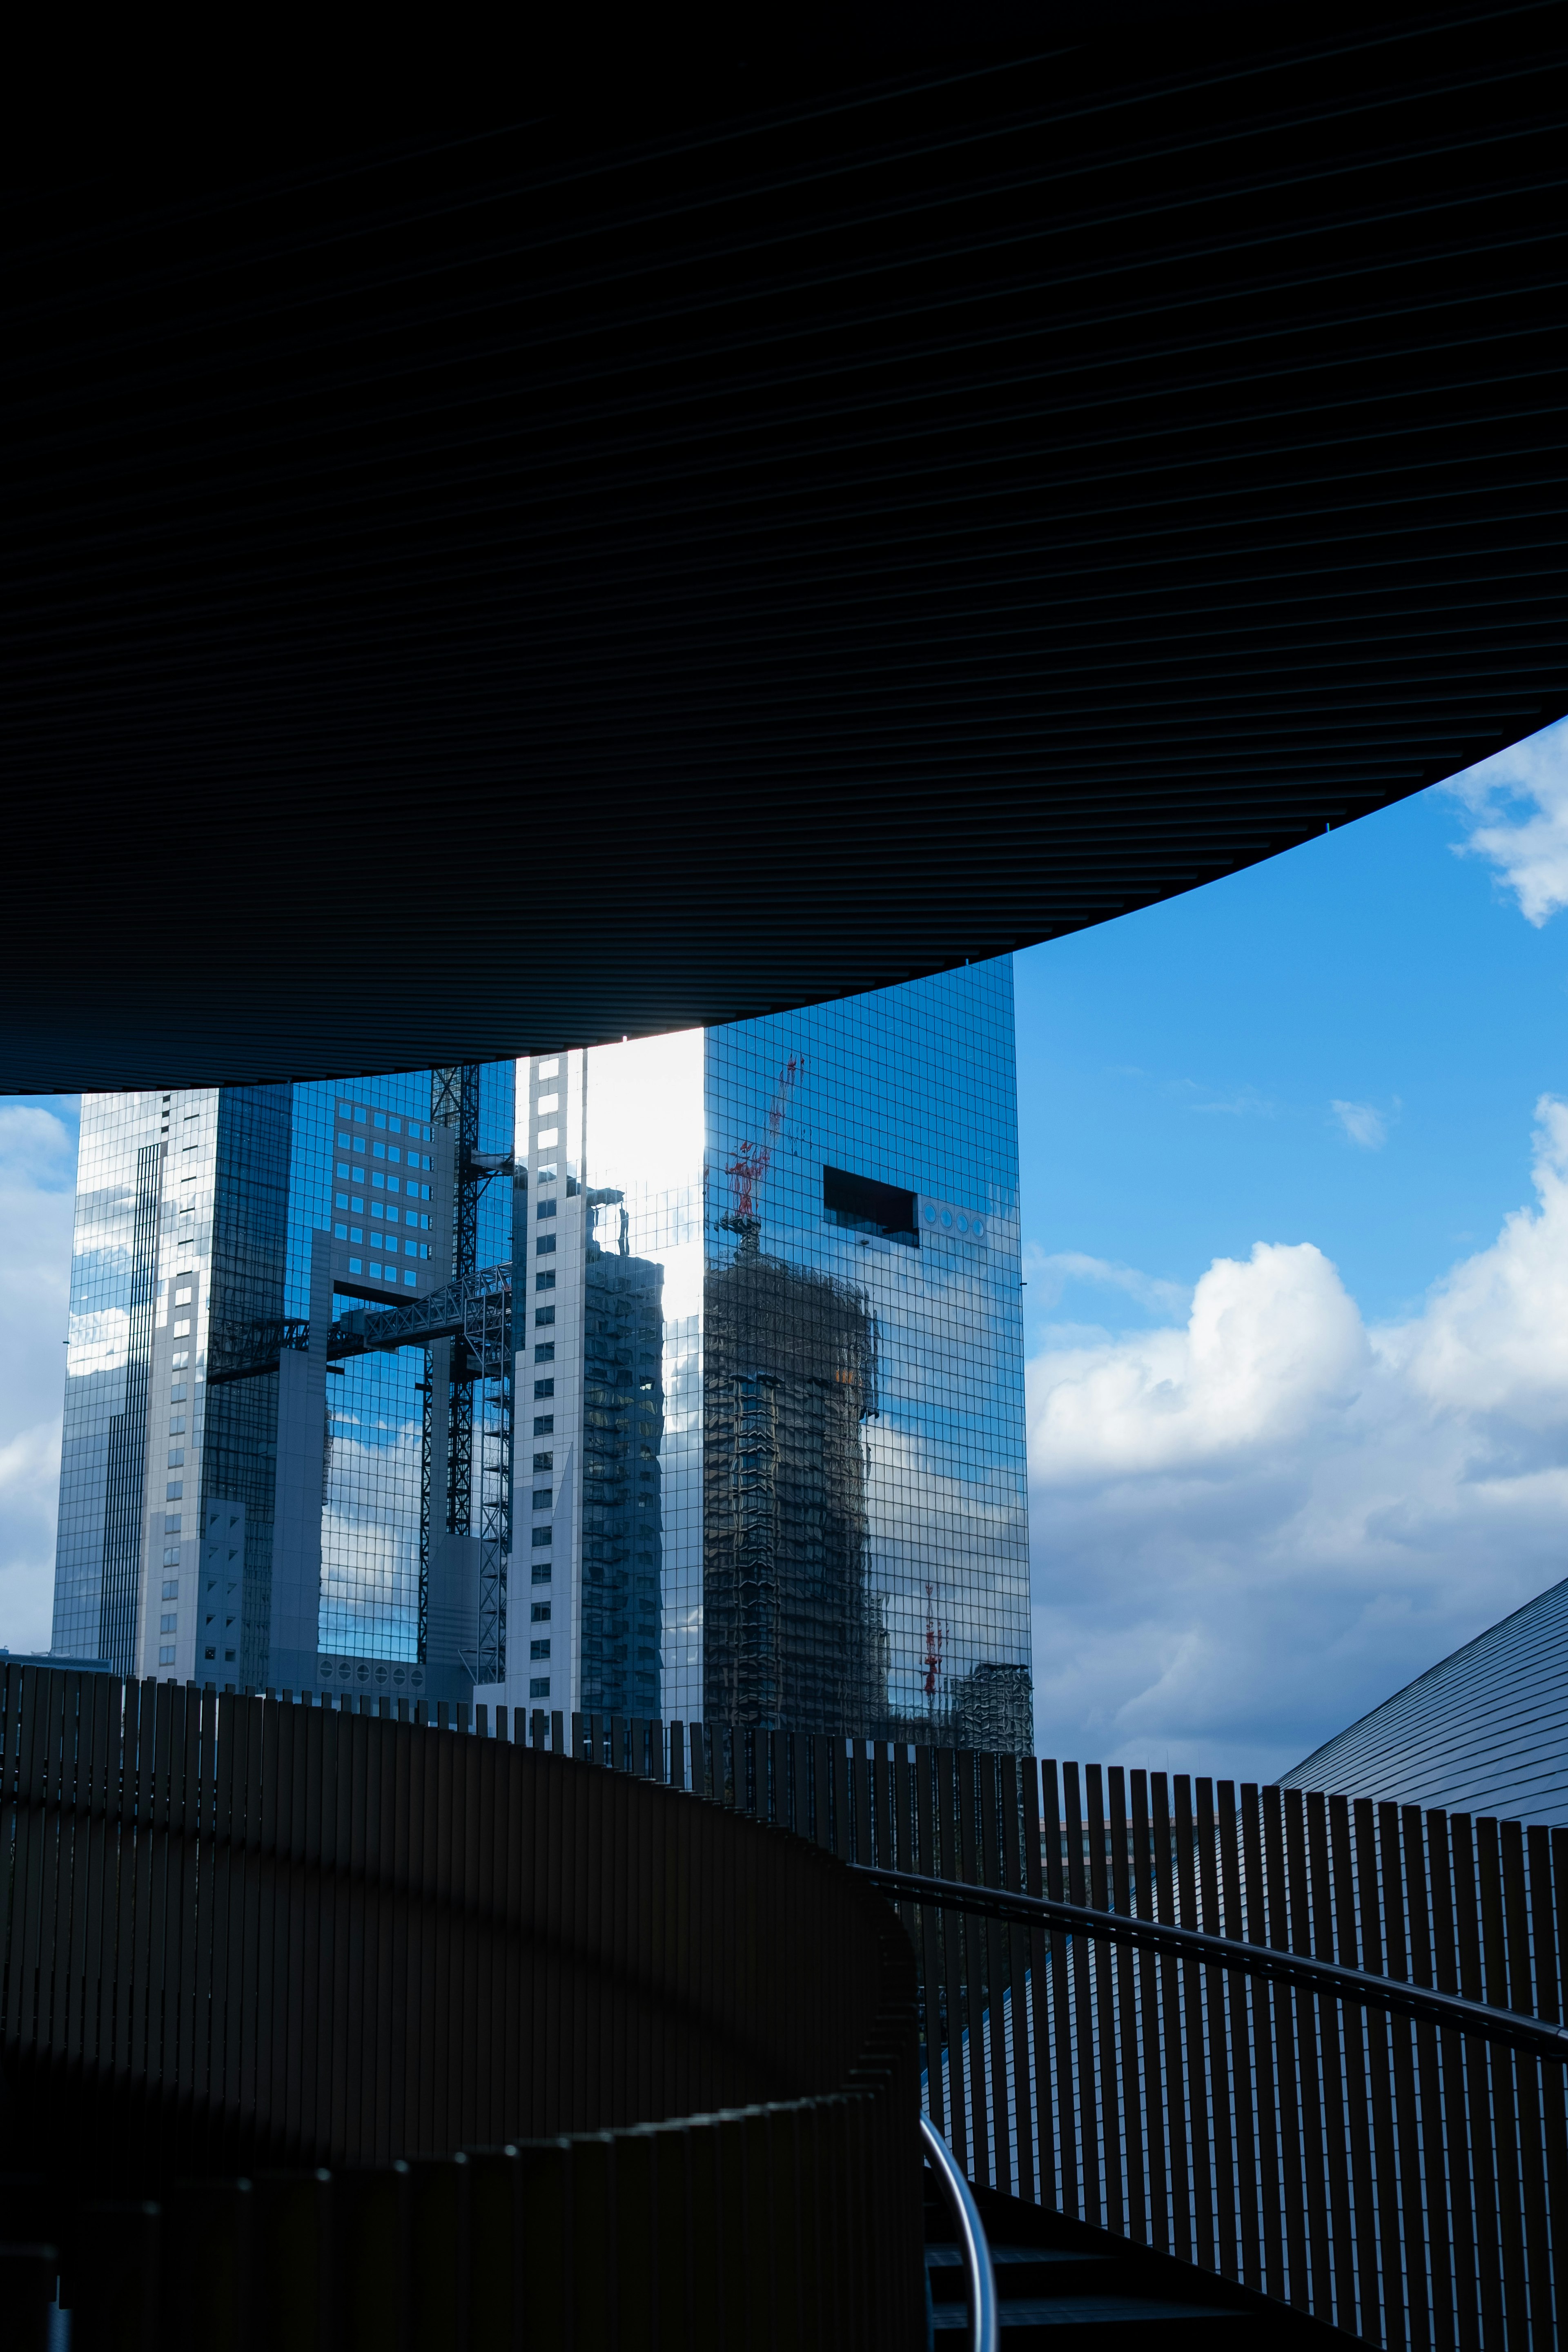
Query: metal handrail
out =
(980, 2278)
(1534, 2036)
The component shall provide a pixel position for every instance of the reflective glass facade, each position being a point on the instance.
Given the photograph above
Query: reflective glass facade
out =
(770, 1373)
(261, 1531)
(135, 1425)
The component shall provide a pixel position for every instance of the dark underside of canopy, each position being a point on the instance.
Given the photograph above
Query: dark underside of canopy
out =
(758, 517)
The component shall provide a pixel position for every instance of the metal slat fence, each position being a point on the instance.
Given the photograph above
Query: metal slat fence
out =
(1405, 2181)
(1401, 2178)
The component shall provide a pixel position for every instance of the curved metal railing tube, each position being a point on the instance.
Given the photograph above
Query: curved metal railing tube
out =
(1535, 2037)
(979, 2277)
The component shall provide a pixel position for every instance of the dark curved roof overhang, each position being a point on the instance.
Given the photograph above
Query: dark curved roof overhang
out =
(765, 526)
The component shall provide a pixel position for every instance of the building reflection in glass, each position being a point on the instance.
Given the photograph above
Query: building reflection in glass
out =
(814, 1485)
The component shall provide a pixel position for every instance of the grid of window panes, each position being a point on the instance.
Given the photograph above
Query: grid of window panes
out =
(493, 1451)
(129, 1474)
(370, 1515)
(114, 1128)
(361, 1171)
(917, 1333)
(239, 1448)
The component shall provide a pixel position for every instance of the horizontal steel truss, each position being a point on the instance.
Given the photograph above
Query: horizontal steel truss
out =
(476, 1307)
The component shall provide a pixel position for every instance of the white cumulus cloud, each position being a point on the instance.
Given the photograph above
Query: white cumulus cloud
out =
(1519, 802)
(1250, 1526)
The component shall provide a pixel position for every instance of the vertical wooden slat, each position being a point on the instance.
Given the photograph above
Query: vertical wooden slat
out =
(1289, 2064)
(1380, 2072)
(118, 1873)
(1150, 2072)
(1477, 2071)
(277, 2002)
(1080, 1972)
(1354, 2029)
(998, 1997)
(1525, 1988)
(1197, 2073)
(1262, 2017)
(886, 1816)
(250, 1970)
(1106, 1963)
(1127, 1968)
(1334, 2285)
(1451, 2064)
(383, 1920)
(1237, 2010)
(77, 1828)
(948, 1864)
(1432, 2214)
(334, 2129)
(52, 1893)
(923, 1816)
(1021, 2100)
(220, 2044)
(1407, 2135)
(97, 2009)
(1043, 2080)
(178, 1923)
(843, 1832)
(861, 1800)
(1207, 1857)
(796, 1774)
(1174, 2067)
(1522, 2075)
(1477, 2079)
(135, 1866)
(1505, 2105)
(961, 1806)
(104, 1735)
(1549, 1897)
(897, 1848)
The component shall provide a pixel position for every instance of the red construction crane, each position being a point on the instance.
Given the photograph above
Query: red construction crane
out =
(750, 1165)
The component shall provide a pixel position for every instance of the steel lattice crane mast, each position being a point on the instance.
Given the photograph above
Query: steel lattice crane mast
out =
(751, 1163)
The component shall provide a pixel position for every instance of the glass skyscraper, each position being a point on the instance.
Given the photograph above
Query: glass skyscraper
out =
(769, 1374)
(271, 1528)
(706, 1401)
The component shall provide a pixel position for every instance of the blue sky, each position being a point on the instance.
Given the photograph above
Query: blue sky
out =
(1295, 1159)
(1295, 1154)
(1178, 1069)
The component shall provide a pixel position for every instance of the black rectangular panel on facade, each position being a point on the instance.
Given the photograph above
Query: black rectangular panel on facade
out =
(867, 1206)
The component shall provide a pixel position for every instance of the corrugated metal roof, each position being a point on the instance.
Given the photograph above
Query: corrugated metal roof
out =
(1484, 1731)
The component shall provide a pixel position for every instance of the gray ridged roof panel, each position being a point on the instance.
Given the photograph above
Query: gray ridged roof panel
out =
(1483, 1731)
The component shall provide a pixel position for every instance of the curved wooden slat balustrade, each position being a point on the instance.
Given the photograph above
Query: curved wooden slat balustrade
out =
(360, 2029)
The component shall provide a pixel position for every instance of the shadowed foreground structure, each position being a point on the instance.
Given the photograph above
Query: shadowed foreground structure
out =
(1284, 2065)
(912, 482)
(405, 2028)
